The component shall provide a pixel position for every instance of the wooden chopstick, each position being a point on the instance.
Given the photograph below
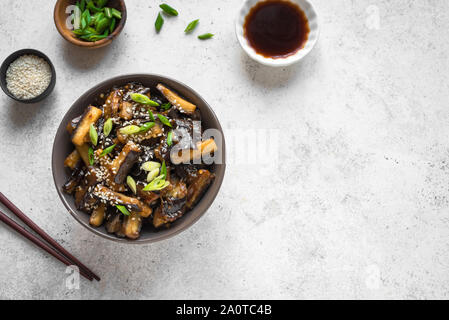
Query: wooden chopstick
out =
(17, 227)
(22, 216)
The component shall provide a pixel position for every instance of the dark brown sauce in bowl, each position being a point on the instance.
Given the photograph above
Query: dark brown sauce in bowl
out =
(276, 28)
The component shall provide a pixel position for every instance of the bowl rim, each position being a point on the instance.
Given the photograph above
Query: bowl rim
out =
(14, 56)
(88, 44)
(217, 181)
(279, 62)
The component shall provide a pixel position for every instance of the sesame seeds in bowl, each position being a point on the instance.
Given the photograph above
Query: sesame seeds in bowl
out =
(27, 76)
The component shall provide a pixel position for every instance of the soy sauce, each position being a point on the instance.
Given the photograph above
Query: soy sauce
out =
(276, 28)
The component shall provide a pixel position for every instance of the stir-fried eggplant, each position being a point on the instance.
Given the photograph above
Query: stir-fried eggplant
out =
(128, 178)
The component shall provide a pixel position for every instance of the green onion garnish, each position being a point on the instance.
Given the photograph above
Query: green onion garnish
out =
(168, 10)
(90, 154)
(107, 150)
(146, 126)
(205, 36)
(131, 184)
(192, 25)
(164, 120)
(143, 99)
(107, 128)
(93, 135)
(170, 138)
(123, 210)
(159, 22)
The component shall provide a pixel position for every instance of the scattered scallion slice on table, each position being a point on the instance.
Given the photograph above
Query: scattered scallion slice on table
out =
(168, 10)
(159, 22)
(123, 210)
(191, 26)
(90, 154)
(107, 150)
(164, 120)
(131, 184)
(143, 99)
(205, 36)
(107, 128)
(93, 135)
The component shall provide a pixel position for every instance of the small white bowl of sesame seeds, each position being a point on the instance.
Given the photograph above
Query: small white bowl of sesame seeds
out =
(27, 76)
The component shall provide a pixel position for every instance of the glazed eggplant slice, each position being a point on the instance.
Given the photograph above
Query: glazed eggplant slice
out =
(71, 126)
(72, 159)
(131, 225)
(97, 216)
(114, 223)
(176, 100)
(148, 197)
(198, 187)
(126, 110)
(83, 151)
(204, 148)
(90, 116)
(169, 211)
(74, 180)
(115, 198)
(123, 163)
(112, 104)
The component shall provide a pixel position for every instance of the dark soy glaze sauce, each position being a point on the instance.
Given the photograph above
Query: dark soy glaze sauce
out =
(276, 28)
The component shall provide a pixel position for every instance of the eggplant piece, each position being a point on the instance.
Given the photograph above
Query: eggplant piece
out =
(97, 216)
(113, 223)
(148, 197)
(169, 211)
(175, 190)
(90, 116)
(198, 187)
(204, 148)
(71, 126)
(123, 163)
(154, 132)
(80, 192)
(114, 198)
(83, 151)
(112, 104)
(72, 159)
(126, 110)
(187, 172)
(74, 180)
(176, 100)
(131, 226)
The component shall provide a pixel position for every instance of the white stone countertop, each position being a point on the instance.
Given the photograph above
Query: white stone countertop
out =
(354, 202)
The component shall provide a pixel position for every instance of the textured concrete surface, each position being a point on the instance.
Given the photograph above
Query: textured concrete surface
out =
(356, 206)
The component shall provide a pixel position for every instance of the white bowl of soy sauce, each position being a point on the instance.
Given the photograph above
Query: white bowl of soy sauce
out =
(277, 32)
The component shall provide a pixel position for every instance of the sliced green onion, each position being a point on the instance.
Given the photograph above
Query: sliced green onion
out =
(107, 150)
(163, 170)
(170, 138)
(101, 3)
(168, 10)
(108, 12)
(146, 126)
(151, 115)
(164, 120)
(107, 128)
(156, 184)
(166, 106)
(131, 129)
(90, 154)
(143, 99)
(150, 165)
(152, 174)
(159, 22)
(117, 14)
(131, 184)
(123, 210)
(93, 135)
(205, 36)
(191, 26)
(112, 26)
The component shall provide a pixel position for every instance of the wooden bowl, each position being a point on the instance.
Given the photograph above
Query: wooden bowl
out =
(62, 146)
(60, 17)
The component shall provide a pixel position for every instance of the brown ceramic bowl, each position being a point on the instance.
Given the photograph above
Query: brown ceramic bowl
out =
(60, 17)
(62, 146)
